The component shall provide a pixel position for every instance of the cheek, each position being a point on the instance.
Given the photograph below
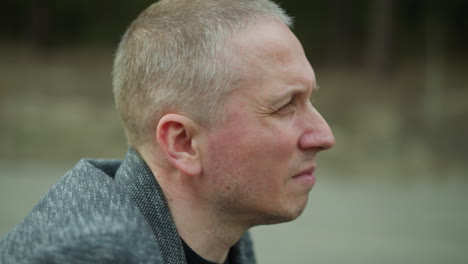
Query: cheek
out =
(255, 152)
(227, 149)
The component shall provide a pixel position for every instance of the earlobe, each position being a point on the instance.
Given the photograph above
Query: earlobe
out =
(176, 135)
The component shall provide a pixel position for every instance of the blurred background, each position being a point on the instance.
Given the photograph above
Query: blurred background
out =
(393, 77)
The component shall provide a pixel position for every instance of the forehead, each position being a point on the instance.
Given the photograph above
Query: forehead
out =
(268, 58)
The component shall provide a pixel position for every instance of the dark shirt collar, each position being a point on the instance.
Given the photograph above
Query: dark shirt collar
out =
(194, 258)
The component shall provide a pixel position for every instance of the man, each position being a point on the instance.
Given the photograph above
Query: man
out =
(214, 96)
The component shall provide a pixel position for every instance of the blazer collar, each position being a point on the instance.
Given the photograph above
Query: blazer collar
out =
(138, 181)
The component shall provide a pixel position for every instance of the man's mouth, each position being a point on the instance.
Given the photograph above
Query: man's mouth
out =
(306, 176)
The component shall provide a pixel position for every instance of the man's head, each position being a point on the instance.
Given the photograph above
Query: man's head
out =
(173, 59)
(254, 164)
(261, 158)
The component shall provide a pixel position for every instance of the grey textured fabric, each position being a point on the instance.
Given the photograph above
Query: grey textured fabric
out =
(103, 211)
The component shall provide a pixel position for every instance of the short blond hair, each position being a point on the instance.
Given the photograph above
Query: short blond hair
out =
(171, 60)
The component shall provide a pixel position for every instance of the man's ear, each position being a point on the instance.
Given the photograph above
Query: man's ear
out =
(176, 137)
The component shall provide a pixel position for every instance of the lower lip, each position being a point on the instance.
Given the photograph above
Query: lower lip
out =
(306, 178)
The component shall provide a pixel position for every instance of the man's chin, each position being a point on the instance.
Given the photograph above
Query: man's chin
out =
(283, 216)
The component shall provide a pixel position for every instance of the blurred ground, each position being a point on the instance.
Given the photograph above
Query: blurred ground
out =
(373, 222)
(391, 191)
(359, 222)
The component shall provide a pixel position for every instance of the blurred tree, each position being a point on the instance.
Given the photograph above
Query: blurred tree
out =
(340, 31)
(381, 36)
(379, 32)
(435, 60)
(37, 25)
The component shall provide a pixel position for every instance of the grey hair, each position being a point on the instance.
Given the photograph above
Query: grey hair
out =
(171, 59)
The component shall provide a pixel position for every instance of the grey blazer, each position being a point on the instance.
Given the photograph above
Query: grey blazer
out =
(103, 211)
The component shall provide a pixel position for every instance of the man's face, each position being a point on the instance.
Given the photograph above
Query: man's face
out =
(260, 161)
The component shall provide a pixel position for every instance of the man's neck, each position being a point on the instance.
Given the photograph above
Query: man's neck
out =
(205, 231)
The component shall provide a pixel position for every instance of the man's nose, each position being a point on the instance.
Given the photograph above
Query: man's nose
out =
(317, 134)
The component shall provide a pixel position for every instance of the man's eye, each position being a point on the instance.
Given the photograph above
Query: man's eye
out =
(286, 109)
